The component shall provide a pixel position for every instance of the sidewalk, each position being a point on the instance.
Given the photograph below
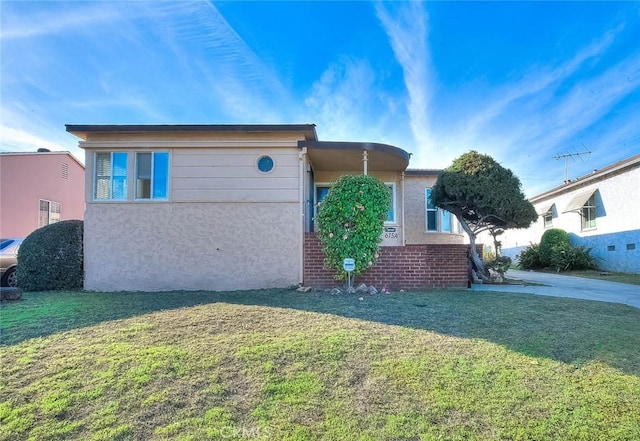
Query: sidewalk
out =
(557, 285)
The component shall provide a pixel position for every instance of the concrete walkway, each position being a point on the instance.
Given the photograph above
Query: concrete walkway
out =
(557, 285)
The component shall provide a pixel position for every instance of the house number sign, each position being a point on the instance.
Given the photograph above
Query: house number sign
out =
(349, 264)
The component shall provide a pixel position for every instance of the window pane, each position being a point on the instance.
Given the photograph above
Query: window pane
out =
(103, 176)
(431, 211)
(54, 215)
(119, 182)
(321, 192)
(446, 221)
(160, 174)
(430, 205)
(391, 215)
(432, 220)
(589, 213)
(43, 216)
(143, 175)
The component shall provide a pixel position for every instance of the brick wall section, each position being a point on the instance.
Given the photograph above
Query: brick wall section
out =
(408, 267)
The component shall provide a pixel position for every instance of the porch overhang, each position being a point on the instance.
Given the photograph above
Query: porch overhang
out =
(349, 157)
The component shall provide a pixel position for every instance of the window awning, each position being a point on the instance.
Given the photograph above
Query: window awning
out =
(579, 200)
(545, 209)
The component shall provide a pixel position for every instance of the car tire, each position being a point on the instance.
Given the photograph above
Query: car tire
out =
(10, 278)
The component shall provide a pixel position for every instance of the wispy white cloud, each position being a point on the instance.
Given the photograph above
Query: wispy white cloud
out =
(537, 79)
(406, 25)
(211, 54)
(338, 99)
(70, 16)
(13, 139)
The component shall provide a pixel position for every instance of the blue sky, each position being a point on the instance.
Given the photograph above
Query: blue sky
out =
(520, 81)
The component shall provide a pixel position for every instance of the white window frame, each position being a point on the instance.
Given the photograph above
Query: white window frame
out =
(151, 177)
(454, 225)
(547, 218)
(589, 207)
(54, 212)
(392, 187)
(95, 178)
(426, 213)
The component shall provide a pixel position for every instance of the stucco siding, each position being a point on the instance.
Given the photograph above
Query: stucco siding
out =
(616, 225)
(415, 214)
(27, 178)
(192, 246)
(615, 251)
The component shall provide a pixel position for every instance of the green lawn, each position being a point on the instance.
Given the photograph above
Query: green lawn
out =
(282, 365)
(633, 279)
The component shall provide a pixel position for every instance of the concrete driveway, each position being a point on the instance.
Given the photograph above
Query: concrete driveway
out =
(556, 285)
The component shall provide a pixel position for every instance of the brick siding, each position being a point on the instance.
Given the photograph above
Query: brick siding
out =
(408, 267)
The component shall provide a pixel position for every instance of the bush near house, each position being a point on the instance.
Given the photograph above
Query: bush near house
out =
(350, 222)
(556, 252)
(51, 257)
(552, 241)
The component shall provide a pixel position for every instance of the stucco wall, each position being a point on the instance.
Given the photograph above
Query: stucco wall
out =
(191, 246)
(415, 214)
(617, 223)
(25, 178)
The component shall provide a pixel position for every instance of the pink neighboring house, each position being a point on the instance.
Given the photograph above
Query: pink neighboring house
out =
(37, 189)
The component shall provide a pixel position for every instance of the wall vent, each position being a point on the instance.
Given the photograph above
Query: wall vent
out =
(65, 170)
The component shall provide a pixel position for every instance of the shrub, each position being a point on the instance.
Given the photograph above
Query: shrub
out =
(350, 222)
(562, 257)
(50, 258)
(568, 257)
(553, 241)
(529, 258)
(500, 264)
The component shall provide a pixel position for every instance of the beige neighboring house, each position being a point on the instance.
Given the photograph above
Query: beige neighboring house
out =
(599, 211)
(222, 207)
(37, 189)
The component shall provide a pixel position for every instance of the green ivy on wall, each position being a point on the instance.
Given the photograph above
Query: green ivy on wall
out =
(350, 222)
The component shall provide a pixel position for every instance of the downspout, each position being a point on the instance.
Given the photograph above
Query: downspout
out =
(301, 201)
(402, 209)
(365, 160)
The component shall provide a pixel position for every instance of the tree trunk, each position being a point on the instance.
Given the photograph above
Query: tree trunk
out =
(475, 258)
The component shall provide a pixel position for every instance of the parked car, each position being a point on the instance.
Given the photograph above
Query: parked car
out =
(9, 261)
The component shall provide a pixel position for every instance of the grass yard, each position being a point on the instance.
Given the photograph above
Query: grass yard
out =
(282, 365)
(633, 279)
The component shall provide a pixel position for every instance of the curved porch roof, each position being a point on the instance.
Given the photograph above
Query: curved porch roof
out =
(348, 156)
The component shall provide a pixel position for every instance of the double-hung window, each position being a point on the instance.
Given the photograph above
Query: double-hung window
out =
(152, 175)
(548, 218)
(438, 220)
(589, 213)
(49, 213)
(432, 211)
(111, 176)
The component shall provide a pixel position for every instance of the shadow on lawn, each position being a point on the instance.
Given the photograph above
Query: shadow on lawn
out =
(567, 330)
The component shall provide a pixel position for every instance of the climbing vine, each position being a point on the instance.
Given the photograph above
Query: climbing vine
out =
(350, 222)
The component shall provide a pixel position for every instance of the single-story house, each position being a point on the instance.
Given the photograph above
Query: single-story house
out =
(38, 189)
(598, 210)
(220, 207)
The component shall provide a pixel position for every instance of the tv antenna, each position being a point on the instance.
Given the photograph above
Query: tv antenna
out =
(567, 156)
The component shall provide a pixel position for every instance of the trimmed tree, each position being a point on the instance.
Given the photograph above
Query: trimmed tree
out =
(350, 222)
(483, 196)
